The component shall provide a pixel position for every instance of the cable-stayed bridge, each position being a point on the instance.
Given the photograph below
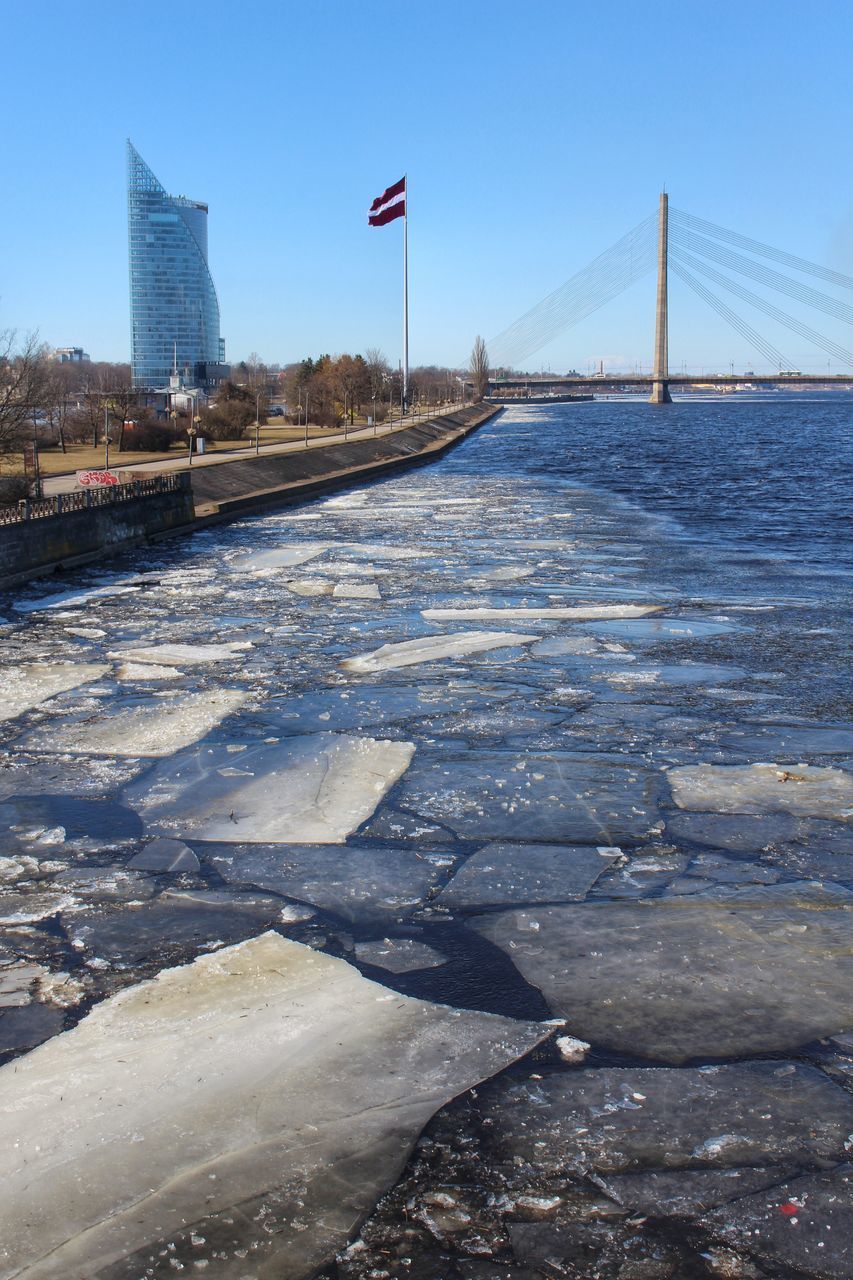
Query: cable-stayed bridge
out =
(708, 259)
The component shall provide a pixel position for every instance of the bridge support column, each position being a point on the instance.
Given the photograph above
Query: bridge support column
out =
(660, 377)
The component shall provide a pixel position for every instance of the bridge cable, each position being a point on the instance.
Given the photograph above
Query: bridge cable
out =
(764, 275)
(692, 223)
(762, 304)
(745, 330)
(604, 278)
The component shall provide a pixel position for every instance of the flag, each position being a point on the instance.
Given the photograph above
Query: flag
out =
(390, 205)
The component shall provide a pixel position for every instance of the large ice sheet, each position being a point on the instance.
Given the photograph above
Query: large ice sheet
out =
(260, 1100)
(27, 686)
(801, 789)
(155, 727)
(317, 787)
(552, 797)
(364, 885)
(730, 973)
(183, 654)
(430, 648)
(566, 613)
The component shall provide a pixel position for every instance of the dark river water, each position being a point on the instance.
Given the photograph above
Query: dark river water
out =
(607, 779)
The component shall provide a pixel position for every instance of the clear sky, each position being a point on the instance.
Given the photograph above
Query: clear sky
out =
(534, 135)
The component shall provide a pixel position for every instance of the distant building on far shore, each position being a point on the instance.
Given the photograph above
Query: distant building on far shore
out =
(71, 355)
(174, 311)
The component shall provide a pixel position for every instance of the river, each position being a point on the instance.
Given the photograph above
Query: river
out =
(606, 780)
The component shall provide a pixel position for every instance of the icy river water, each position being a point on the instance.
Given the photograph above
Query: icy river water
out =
(447, 878)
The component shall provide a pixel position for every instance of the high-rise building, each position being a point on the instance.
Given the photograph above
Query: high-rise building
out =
(174, 311)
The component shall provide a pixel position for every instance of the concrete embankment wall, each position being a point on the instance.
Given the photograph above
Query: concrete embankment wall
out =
(222, 492)
(35, 547)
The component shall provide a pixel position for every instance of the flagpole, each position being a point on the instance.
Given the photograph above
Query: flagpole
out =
(406, 291)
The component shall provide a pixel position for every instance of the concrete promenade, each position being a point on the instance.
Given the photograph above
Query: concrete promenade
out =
(67, 482)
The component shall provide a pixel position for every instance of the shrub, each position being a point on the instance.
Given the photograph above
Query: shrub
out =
(149, 437)
(12, 489)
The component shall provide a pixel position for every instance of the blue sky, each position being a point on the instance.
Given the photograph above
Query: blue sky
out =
(534, 136)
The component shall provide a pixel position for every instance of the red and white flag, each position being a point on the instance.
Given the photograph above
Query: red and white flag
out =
(390, 205)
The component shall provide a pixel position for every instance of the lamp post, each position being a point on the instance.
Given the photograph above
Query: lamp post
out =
(106, 437)
(258, 423)
(374, 412)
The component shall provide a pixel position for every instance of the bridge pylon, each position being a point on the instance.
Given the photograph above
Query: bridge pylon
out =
(660, 376)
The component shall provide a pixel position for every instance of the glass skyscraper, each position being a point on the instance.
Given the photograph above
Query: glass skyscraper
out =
(174, 311)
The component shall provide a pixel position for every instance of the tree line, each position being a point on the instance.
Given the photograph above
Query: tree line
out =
(55, 404)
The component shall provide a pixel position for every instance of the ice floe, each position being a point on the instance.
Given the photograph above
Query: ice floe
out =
(356, 591)
(399, 955)
(277, 557)
(615, 1120)
(362, 884)
(566, 613)
(342, 1076)
(553, 797)
(145, 671)
(799, 789)
(317, 787)
(156, 727)
(430, 648)
(28, 685)
(731, 973)
(183, 654)
(66, 599)
(505, 873)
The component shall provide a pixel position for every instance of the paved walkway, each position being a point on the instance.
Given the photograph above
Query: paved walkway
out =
(180, 462)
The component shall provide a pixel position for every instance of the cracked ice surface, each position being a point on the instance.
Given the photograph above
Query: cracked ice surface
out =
(737, 972)
(429, 648)
(157, 727)
(800, 789)
(341, 1074)
(314, 788)
(27, 686)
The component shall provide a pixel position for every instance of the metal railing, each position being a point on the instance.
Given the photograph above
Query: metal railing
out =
(88, 499)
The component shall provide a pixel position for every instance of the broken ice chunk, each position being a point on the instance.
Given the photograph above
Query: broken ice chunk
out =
(66, 598)
(27, 686)
(167, 856)
(399, 955)
(317, 787)
(802, 789)
(341, 1081)
(188, 654)
(364, 885)
(157, 727)
(505, 873)
(564, 612)
(277, 557)
(429, 648)
(146, 671)
(356, 591)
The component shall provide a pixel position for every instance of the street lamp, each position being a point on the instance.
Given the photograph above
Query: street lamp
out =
(258, 423)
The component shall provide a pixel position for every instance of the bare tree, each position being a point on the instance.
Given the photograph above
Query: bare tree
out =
(22, 376)
(121, 398)
(479, 368)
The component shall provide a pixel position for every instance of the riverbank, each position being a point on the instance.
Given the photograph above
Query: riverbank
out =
(216, 489)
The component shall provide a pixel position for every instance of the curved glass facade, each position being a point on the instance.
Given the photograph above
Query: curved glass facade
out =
(173, 305)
